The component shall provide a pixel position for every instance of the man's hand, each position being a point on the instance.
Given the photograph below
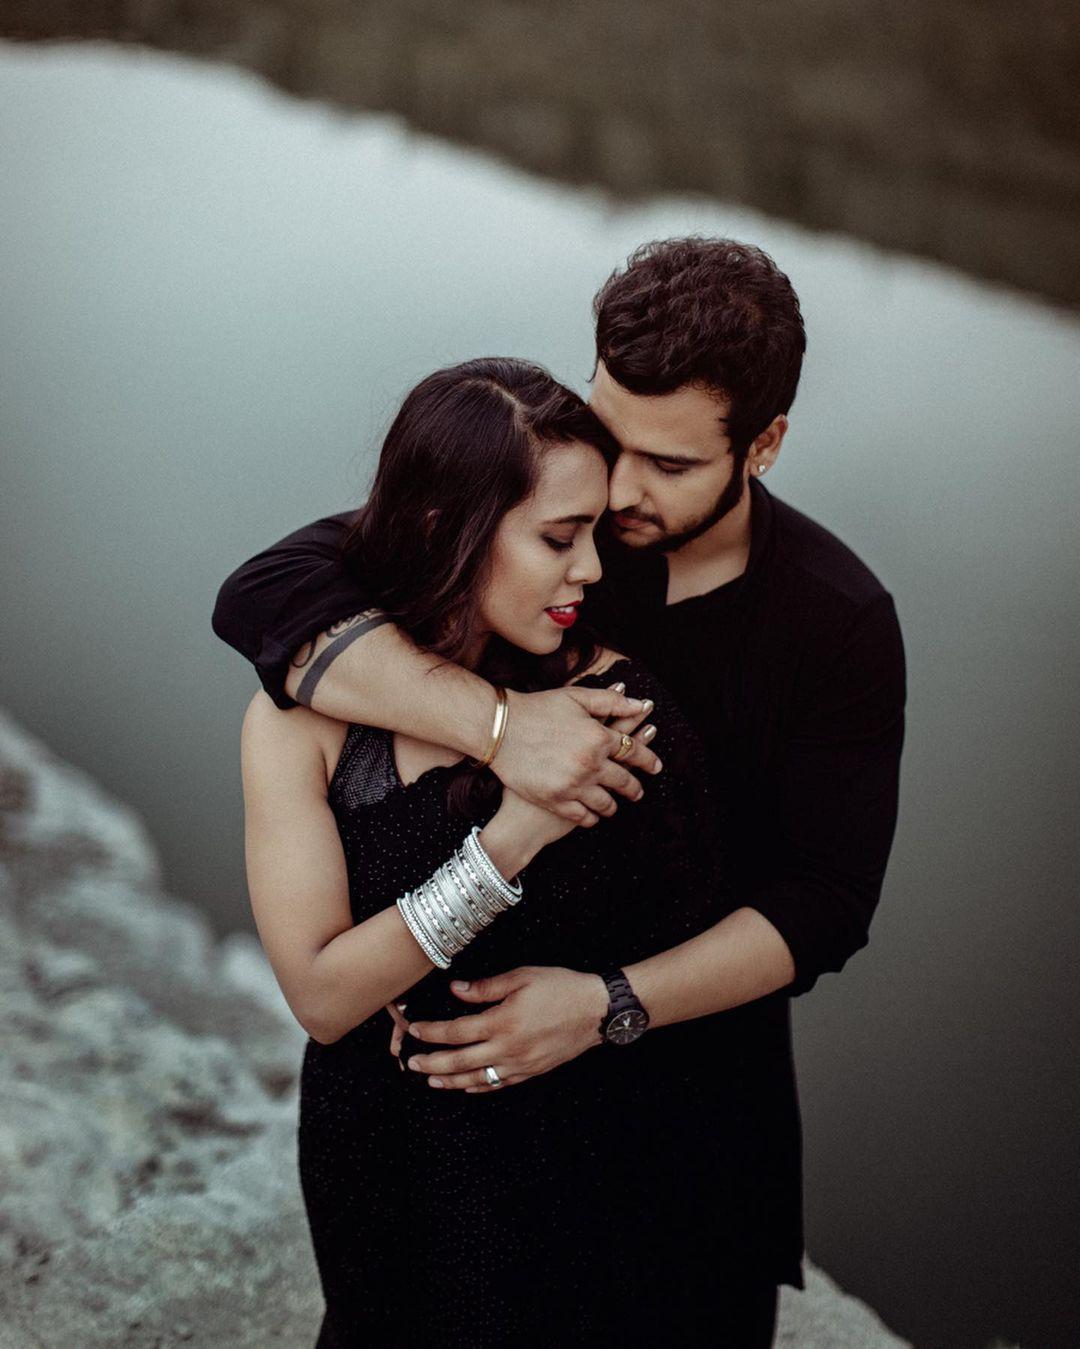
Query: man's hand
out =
(545, 1016)
(558, 746)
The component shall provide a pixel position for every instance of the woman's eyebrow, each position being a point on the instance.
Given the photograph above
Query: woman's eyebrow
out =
(572, 520)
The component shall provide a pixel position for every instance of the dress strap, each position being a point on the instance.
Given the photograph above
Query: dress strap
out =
(365, 771)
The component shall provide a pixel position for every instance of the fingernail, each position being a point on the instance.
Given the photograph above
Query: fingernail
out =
(648, 705)
(434, 1081)
(648, 732)
(618, 688)
(400, 1006)
(659, 765)
(462, 985)
(411, 1030)
(413, 1065)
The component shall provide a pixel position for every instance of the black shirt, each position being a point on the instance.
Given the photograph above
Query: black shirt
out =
(793, 674)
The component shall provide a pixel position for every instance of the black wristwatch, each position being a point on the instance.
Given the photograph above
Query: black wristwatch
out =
(625, 1019)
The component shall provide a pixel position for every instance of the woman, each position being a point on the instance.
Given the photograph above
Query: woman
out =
(579, 1202)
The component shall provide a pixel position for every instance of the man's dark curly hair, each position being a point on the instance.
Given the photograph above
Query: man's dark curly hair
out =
(711, 313)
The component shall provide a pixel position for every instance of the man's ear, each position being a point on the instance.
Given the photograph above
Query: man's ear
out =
(770, 439)
(765, 448)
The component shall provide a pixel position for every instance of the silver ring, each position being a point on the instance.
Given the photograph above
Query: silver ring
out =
(493, 1078)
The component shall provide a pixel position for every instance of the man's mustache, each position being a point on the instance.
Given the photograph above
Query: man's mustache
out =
(634, 515)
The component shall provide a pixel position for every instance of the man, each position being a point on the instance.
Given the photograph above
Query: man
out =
(779, 643)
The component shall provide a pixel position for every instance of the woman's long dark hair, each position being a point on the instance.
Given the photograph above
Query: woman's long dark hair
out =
(462, 452)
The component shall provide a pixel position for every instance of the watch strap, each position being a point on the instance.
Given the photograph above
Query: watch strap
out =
(621, 998)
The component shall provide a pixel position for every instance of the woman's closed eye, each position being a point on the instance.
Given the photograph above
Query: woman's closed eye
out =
(560, 545)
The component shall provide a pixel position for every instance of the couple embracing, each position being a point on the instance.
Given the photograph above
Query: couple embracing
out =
(576, 760)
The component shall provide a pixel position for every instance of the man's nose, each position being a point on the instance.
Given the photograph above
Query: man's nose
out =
(624, 491)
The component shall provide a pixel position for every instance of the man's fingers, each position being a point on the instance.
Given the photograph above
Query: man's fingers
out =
(575, 813)
(463, 1030)
(599, 801)
(572, 811)
(615, 778)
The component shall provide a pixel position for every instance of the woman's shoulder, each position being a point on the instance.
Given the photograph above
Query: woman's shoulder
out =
(611, 666)
(292, 737)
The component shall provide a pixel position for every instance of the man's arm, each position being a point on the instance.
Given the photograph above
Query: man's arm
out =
(283, 597)
(834, 822)
(835, 815)
(556, 748)
(305, 622)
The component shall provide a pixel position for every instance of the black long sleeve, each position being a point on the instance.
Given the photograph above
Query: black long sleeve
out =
(285, 596)
(835, 810)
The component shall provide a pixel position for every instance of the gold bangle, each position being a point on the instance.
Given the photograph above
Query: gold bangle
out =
(498, 727)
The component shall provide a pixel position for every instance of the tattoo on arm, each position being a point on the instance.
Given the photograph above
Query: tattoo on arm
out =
(341, 634)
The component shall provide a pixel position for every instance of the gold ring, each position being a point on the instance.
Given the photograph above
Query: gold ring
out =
(624, 749)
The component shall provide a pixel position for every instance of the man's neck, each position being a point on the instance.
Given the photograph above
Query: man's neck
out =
(713, 558)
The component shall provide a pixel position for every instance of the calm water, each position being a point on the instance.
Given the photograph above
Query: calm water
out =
(212, 301)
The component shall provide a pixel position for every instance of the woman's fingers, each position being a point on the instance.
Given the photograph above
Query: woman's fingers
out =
(641, 757)
(397, 1032)
(633, 722)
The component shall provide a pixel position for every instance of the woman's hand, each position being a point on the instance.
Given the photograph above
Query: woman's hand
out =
(518, 831)
(532, 826)
(558, 747)
(397, 1014)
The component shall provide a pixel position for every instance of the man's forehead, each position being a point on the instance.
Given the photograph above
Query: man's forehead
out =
(688, 421)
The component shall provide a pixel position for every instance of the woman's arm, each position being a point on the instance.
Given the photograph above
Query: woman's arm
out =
(334, 974)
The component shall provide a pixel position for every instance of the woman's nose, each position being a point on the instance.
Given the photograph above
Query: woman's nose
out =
(586, 568)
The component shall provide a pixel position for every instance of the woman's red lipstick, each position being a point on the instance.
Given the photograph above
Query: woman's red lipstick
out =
(565, 615)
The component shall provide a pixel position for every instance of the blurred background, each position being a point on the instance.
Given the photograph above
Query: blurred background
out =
(214, 295)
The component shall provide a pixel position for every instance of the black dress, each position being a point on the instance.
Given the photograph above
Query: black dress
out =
(599, 1198)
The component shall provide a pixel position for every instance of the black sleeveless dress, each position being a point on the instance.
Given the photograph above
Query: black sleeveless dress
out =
(598, 1199)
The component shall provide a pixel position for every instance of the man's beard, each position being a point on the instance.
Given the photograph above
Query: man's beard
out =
(726, 502)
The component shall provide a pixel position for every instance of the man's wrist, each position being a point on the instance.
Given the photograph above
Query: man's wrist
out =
(498, 727)
(600, 1001)
(625, 1017)
(513, 702)
(473, 733)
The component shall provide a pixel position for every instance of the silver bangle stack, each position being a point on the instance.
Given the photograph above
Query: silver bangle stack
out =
(453, 906)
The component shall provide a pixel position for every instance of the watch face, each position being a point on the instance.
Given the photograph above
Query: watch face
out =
(627, 1026)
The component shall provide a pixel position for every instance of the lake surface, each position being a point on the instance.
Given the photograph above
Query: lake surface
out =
(212, 300)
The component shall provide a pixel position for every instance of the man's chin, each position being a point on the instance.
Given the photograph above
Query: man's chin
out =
(644, 539)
